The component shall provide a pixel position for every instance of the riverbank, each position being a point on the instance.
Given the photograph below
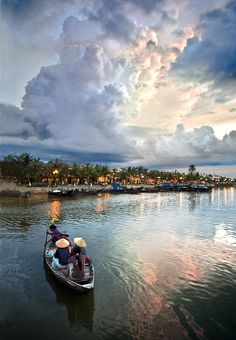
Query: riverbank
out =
(11, 188)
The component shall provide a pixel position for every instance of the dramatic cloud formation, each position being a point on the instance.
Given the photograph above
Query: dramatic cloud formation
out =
(129, 82)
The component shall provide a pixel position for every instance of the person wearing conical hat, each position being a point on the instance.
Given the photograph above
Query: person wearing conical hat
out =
(78, 258)
(66, 236)
(80, 242)
(62, 254)
(79, 246)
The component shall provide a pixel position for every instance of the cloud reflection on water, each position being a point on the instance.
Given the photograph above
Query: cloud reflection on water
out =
(173, 260)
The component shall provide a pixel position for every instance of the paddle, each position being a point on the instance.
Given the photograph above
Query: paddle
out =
(46, 240)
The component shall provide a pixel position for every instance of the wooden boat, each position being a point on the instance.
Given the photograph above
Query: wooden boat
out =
(80, 285)
(61, 192)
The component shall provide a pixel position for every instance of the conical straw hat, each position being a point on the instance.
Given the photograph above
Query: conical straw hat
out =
(62, 243)
(80, 242)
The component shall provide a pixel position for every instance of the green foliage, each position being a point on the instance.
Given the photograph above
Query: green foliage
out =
(26, 168)
(191, 168)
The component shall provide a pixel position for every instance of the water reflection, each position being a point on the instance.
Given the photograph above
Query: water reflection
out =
(218, 198)
(158, 202)
(180, 199)
(228, 195)
(224, 235)
(103, 203)
(151, 315)
(193, 201)
(161, 259)
(79, 307)
(54, 210)
(225, 196)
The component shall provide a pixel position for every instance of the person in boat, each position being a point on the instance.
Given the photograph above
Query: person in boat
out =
(66, 237)
(78, 258)
(61, 257)
(56, 234)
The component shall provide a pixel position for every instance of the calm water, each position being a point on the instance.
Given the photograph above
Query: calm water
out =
(165, 267)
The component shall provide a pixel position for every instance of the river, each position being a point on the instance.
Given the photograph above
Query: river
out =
(165, 267)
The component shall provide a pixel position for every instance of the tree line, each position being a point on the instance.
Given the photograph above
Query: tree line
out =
(26, 168)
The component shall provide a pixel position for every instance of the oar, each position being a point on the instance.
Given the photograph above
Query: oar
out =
(45, 240)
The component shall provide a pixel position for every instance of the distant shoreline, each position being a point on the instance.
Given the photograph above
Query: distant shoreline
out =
(227, 170)
(9, 188)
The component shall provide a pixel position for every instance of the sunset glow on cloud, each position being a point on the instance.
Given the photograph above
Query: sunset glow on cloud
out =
(123, 82)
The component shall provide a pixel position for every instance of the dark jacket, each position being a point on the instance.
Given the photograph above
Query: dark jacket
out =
(63, 255)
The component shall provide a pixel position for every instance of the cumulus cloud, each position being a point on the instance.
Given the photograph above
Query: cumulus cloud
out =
(79, 101)
(117, 77)
(212, 54)
(13, 123)
(198, 146)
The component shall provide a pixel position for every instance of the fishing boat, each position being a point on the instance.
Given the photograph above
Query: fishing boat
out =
(61, 192)
(80, 285)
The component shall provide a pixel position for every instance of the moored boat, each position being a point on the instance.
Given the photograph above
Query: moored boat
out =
(81, 285)
(61, 192)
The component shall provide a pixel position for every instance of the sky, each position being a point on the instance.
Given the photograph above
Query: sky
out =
(122, 82)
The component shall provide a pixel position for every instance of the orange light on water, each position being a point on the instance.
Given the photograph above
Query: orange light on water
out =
(54, 210)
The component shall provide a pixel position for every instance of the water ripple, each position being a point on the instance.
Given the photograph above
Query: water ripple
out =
(165, 265)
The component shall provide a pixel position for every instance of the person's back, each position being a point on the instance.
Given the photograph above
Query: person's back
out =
(79, 246)
(80, 254)
(62, 254)
(56, 234)
(75, 270)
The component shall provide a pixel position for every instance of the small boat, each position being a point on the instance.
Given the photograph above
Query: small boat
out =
(61, 192)
(25, 194)
(80, 285)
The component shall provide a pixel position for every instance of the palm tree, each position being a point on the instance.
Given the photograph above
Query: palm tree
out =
(8, 167)
(58, 169)
(23, 162)
(37, 170)
(191, 168)
(90, 173)
(124, 175)
(191, 171)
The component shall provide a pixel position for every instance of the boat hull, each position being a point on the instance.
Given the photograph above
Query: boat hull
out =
(80, 286)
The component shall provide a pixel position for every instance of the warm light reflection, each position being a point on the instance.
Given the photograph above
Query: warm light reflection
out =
(218, 198)
(212, 196)
(103, 203)
(228, 195)
(54, 210)
(231, 194)
(166, 269)
(225, 196)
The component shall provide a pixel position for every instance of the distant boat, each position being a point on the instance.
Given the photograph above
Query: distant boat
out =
(118, 188)
(61, 192)
(80, 285)
(201, 187)
(25, 194)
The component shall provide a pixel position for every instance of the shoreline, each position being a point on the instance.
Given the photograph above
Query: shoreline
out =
(10, 188)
